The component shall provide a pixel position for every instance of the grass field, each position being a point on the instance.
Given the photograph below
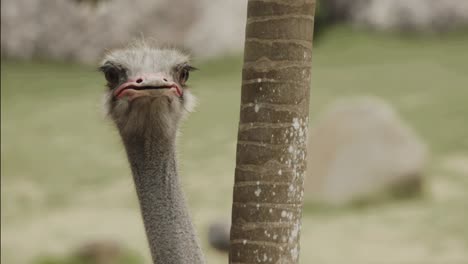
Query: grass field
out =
(65, 179)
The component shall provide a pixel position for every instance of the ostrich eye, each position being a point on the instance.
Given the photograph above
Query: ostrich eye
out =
(183, 71)
(184, 75)
(112, 76)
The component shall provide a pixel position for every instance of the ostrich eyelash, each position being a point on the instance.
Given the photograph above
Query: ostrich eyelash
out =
(190, 68)
(186, 67)
(110, 65)
(106, 66)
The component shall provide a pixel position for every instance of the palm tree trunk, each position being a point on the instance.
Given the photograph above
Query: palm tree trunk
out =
(272, 136)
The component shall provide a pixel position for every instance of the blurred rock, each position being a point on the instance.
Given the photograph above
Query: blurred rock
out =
(402, 15)
(360, 148)
(82, 30)
(100, 252)
(218, 235)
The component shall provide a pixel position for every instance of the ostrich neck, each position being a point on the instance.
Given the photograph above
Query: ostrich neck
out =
(167, 221)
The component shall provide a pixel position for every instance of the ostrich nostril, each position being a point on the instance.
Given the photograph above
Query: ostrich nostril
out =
(164, 79)
(139, 80)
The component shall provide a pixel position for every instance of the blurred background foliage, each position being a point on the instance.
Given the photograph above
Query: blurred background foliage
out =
(65, 179)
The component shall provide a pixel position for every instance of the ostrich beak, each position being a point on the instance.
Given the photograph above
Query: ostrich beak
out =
(137, 87)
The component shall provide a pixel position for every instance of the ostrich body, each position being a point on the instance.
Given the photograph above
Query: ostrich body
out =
(146, 99)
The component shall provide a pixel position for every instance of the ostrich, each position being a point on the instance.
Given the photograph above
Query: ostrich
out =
(147, 97)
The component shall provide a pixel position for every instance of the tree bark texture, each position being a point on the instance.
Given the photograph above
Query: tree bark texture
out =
(272, 136)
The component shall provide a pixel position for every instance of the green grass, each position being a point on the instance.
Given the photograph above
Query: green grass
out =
(65, 179)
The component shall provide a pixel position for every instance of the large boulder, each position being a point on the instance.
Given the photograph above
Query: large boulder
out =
(360, 148)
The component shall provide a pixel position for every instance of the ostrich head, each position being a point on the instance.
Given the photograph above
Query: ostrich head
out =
(147, 89)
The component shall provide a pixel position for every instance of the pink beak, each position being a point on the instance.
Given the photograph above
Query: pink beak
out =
(147, 82)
